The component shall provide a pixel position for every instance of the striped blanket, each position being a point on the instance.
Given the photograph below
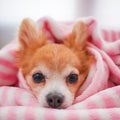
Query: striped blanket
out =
(97, 99)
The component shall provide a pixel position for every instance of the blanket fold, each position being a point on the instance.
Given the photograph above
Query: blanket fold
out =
(97, 99)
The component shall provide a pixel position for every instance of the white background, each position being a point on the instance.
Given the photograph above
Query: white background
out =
(107, 12)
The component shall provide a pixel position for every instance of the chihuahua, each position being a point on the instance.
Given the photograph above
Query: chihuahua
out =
(53, 72)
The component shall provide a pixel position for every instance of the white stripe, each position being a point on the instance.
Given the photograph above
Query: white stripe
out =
(80, 105)
(20, 113)
(115, 97)
(39, 113)
(97, 100)
(116, 110)
(61, 115)
(7, 56)
(10, 96)
(40, 24)
(83, 114)
(54, 28)
(103, 114)
(1, 93)
(117, 35)
(96, 34)
(4, 113)
(25, 98)
(109, 36)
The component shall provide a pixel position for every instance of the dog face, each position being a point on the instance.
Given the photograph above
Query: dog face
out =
(53, 72)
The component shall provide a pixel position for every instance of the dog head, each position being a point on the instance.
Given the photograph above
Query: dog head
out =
(54, 72)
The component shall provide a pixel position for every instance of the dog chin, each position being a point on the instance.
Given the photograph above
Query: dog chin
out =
(61, 107)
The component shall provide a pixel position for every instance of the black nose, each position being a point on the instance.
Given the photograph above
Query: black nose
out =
(55, 100)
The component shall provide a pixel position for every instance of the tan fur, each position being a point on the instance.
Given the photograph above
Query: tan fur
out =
(30, 40)
(77, 42)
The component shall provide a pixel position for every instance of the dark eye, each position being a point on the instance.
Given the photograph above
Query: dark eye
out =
(72, 78)
(38, 77)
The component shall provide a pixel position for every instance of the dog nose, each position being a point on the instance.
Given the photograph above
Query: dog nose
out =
(55, 100)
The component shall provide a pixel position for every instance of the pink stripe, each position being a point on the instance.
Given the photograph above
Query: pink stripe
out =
(18, 96)
(13, 53)
(5, 96)
(72, 115)
(8, 63)
(91, 26)
(33, 101)
(8, 77)
(108, 101)
(50, 114)
(116, 59)
(29, 113)
(91, 104)
(12, 114)
(48, 27)
(119, 35)
(110, 51)
(114, 37)
(94, 115)
(22, 82)
(105, 35)
(117, 90)
(98, 43)
(114, 114)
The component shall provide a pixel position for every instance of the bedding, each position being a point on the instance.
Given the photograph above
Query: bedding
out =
(97, 99)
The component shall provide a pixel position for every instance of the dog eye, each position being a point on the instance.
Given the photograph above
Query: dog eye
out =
(72, 78)
(38, 77)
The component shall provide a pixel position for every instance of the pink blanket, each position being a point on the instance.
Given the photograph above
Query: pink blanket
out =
(97, 99)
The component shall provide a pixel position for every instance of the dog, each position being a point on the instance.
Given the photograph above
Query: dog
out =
(54, 72)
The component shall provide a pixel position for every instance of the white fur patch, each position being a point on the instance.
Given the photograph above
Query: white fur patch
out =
(55, 82)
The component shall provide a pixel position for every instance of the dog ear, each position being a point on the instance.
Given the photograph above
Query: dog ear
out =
(29, 34)
(31, 39)
(77, 42)
(78, 38)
